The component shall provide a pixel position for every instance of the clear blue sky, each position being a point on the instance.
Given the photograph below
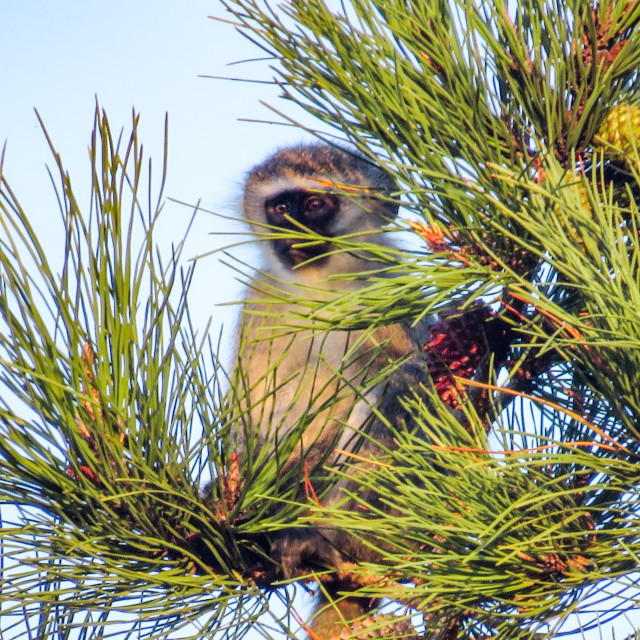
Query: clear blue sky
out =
(59, 56)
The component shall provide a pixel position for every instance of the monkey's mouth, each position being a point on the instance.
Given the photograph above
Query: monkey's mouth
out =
(294, 252)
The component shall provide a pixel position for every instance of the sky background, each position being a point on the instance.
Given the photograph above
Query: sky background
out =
(60, 56)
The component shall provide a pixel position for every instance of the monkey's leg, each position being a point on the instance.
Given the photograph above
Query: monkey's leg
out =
(299, 551)
(333, 615)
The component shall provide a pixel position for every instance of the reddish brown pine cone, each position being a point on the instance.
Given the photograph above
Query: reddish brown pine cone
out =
(460, 342)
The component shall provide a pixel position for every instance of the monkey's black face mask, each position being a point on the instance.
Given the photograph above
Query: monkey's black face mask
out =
(303, 211)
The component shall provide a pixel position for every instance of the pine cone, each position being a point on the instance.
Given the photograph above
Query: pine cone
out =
(575, 179)
(459, 344)
(574, 192)
(619, 132)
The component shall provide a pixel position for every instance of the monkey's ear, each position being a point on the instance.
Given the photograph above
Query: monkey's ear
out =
(386, 207)
(385, 200)
(391, 208)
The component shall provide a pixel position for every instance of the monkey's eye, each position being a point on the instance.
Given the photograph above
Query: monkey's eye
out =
(277, 210)
(280, 208)
(314, 204)
(320, 208)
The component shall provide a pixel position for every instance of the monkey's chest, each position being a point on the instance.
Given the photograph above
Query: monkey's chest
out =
(304, 388)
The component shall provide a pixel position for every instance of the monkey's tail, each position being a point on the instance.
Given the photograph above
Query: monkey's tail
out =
(333, 615)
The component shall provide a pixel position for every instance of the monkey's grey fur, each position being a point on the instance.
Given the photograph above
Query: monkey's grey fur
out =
(294, 375)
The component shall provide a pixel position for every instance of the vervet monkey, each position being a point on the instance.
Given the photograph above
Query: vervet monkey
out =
(293, 375)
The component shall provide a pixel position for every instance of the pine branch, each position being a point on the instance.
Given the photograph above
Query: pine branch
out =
(514, 132)
(514, 137)
(111, 423)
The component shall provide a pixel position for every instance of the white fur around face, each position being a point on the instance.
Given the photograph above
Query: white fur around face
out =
(359, 219)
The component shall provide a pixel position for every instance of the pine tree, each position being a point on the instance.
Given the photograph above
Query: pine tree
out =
(513, 134)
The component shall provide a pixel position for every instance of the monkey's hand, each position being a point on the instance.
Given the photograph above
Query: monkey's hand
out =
(300, 551)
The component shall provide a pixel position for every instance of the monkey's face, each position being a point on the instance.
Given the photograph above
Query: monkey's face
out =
(298, 209)
(317, 194)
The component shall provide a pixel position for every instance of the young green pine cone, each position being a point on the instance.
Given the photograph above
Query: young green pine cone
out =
(573, 192)
(620, 133)
(574, 180)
